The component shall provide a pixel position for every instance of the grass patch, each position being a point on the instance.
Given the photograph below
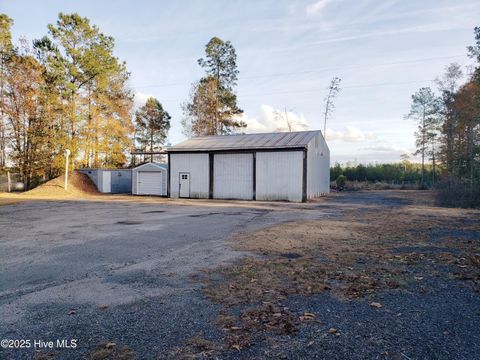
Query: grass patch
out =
(365, 250)
(195, 348)
(111, 351)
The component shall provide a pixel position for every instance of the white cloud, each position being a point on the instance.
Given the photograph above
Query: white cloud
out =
(140, 99)
(389, 149)
(350, 134)
(316, 7)
(272, 120)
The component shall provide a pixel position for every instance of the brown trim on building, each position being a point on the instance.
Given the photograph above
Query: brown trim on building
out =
(211, 159)
(304, 176)
(254, 161)
(168, 176)
(238, 151)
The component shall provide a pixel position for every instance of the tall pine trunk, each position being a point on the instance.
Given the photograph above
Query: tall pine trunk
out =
(433, 162)
(3, 152)
(88, 133)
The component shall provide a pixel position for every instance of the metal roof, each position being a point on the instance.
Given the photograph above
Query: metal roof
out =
(157, 164)
(276, 140)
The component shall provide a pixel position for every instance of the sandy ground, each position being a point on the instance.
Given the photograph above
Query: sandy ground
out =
(162, 278)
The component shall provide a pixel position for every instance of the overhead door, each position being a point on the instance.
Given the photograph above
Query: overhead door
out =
(233, 176)
(279, 175)
(150, 183)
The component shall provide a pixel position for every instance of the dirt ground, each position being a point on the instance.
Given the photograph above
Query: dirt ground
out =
(403, 247)
(363, 275)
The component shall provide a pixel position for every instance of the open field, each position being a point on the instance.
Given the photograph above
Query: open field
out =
(380, 274)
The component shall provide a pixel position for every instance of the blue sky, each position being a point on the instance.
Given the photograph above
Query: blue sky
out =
(384, 50)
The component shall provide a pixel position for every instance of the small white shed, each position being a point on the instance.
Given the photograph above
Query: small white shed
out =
(150, 179)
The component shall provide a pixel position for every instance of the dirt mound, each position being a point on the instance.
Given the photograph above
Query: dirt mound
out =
(79, 185)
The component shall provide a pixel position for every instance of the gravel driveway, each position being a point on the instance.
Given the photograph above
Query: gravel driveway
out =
(120, 272)
(117, 270)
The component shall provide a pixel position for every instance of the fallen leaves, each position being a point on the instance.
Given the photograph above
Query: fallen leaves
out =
(279, 320)
(353, 256)
(334, 331)
(307, 316)
(111, 350)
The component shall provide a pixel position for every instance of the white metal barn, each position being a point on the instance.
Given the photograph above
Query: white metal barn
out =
(150, 179)
(293, 166)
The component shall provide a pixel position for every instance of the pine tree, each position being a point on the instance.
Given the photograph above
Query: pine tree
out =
(152, 125)
(94, 88)
(425, 110)
(212, 108)
(5, 53)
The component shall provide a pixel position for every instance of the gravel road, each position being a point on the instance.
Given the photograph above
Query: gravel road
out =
(120, 271)
(117, 270)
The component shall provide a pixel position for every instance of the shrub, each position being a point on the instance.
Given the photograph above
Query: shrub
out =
(340, 182)
(454, 192)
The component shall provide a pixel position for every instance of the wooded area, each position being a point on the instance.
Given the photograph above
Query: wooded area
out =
(447, 137)
(68, 90)
(449, 131)
(64, 91)
(405, 172)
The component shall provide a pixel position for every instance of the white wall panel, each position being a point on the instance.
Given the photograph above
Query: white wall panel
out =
(233, 176)
(279, 175)
(198, 167)
(318, 168)
(104, 181)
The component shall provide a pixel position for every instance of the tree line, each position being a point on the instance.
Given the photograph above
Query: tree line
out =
(448, 128)
(404, 172)
(67, 90)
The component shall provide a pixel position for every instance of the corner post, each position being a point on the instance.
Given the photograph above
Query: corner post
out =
(211, 159)
(254, 175)
(168, 175)
(304, 175)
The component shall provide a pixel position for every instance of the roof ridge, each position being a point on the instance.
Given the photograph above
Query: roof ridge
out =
(260, 133)
(276, 140)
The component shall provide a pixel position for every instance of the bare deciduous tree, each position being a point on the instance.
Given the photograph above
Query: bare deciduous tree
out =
(333, 91)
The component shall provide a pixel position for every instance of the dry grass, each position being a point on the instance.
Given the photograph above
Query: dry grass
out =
(8, 200)
(111, 351)
(301, 237)
(45, 355)
(352, 256)
(195, 348)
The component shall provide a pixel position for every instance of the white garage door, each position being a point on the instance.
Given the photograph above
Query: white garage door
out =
(233, 176)
(150, 183)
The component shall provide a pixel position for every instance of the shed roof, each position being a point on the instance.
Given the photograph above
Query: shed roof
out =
(276, 140)
(154, 164)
